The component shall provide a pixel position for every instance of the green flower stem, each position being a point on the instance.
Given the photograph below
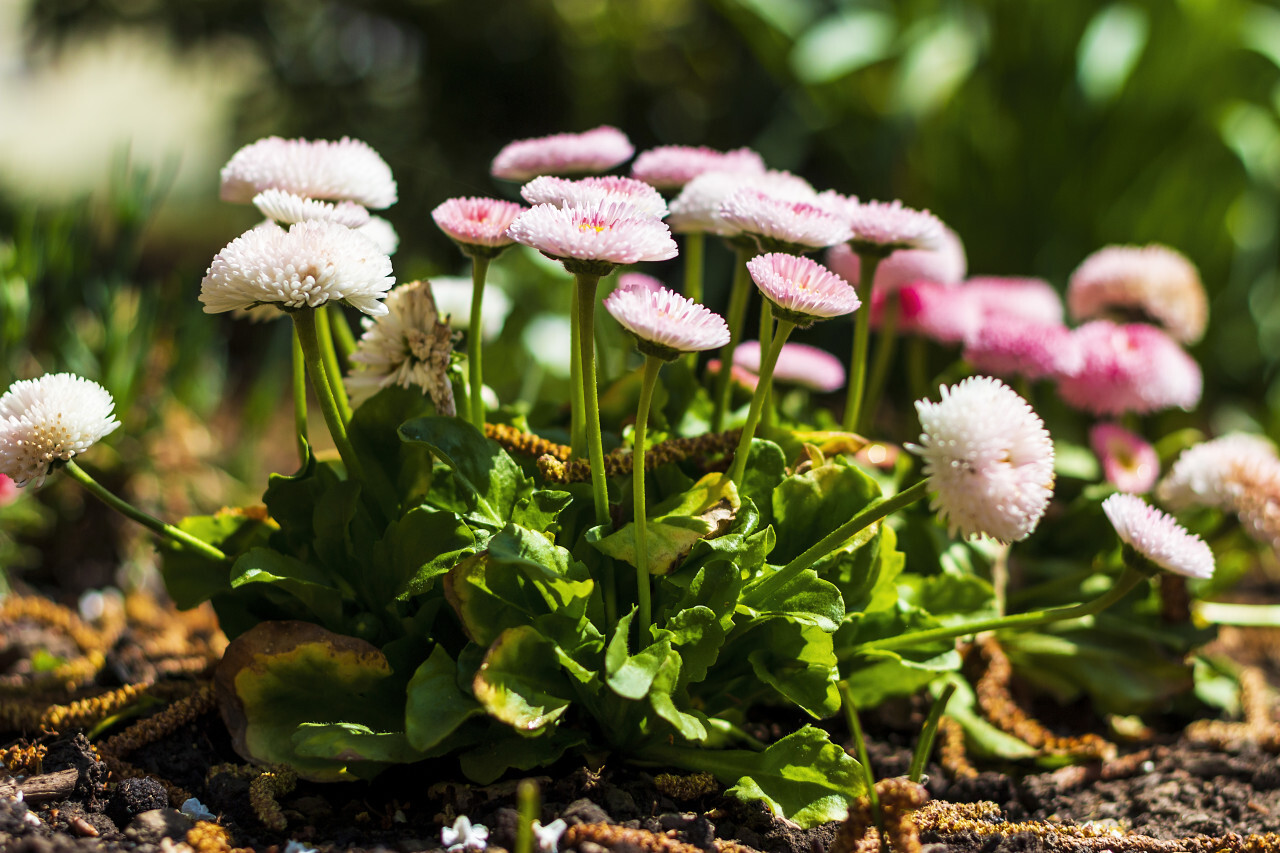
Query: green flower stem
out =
(299, 398)
(918, 367)
(475, 332)
(860, 745)
(767, 363)
(694, 244)
(332, 369)
(861, 334)
(304, 322)
(577, 401)
(129, 510)
(528, 802)
(766, 333)
(343, 336)
(1126, 582)
(882, 360)
(585, 290)
(739, 293)
(652, 364)
(870, 514)
(924, 746)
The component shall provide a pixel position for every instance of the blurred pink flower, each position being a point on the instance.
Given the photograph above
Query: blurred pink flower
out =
(944, 265)
(782, 225)
(1157, 537)
(937, 311)
(1130, 368)
(1128, 462)
(346, 170)
(737, 374)
(801, 290)
(563, 192)
(477, 223)
(1207, 474)
(597, 150)
(1153, 281)
(1011, 346)
(607, 234)
(798, 364)
(670, 167)
(665, 323)
(8, 490)
(638, 281)
(1029, 299)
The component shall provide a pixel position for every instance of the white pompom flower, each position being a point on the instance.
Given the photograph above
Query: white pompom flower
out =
(49, 420)
(346, 170)
(988, 457)
(286, 208)
(310, 264)
(1155, 536)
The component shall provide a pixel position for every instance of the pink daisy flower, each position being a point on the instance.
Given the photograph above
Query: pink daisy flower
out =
(1130, 368)
(670, 167)
(477, 225)
(988, 457)
(285, 208)
(346, 170)
(798, 364)
(1157, 537)
(936, 311)
(885, 227)
(1032, 300)
(1128, 462)
(782, 225)
(1155, 282)
(638, 281)
(665, 323)
(1208, 474)
(697, 207)
(945, 265)
(801, 290)
(585, 192)
(593, 239)
(597, 150)
(1016, 347)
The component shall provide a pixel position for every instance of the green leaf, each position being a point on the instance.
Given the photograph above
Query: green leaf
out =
(487, 762)
(192, 578)
(766, 468)
(808, 506)
(416, 549)
(630, 676)
(878, 675)
(697, 635)
(666, 684)
(797, 660)
(705, 511)
(373, 432)
(487, 482)
(520, 682)
(805, 598)
(310, 585)
(435, 706)
(366, 750)
(539, 511)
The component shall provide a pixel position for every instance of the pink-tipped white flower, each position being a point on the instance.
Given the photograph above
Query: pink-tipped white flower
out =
(944, 265)
(697, 207)
(1128, 462)
(586, 192)
(988, 457)
(346, 170)
(639, 281)
(1130, 368)
(597, 150)
(1157, 537)
(883, 227)
(602, 236)
(50, 419)
(310, 264)
(1014, 347)
(1154, 281)
(800, 289)
(798, 364)
(665, 323)
(780, 224)
(1209, 473)
(477, 225)
(670, 167)
(409, 345)
(285, 208)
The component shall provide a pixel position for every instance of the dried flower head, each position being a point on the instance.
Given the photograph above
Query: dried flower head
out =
(1128, 461)
(697, 207)
(285, 208)
(884, 227)
(49, 420)
(988, 457)
(1130, 368)
(798, 364)
(800, 289)
(1155, 282)
(312, 263)
(1208, 474)
(478, 225)
(346, 170)
(597, 237)
(597, 150)
(409, 345)
(665, 323)
(670, 167)
(780, 224)
(586, 192)
(1155, 536)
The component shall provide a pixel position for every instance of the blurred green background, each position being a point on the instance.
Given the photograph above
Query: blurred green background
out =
(1040, 131)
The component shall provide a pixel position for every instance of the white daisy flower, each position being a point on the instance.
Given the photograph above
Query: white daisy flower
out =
(883, 227)
(50, 419)
(346, 170)
(1157, 537)
(286, 208)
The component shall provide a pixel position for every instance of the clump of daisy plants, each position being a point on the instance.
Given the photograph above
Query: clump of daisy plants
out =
(456, 580)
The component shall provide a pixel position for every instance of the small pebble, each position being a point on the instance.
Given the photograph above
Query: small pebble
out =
(83, 828)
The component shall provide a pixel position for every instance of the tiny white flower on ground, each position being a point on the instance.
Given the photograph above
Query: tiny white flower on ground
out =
(597, 150)
(410, 345)
(50, 419)
(298, 847)
(463, 836)
(988, 457)
(310, 264)
(346, 170)
(286, 208)
(665, 323)
(196, 810)
(802, 290)
(548, 837)
(1157, 537)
